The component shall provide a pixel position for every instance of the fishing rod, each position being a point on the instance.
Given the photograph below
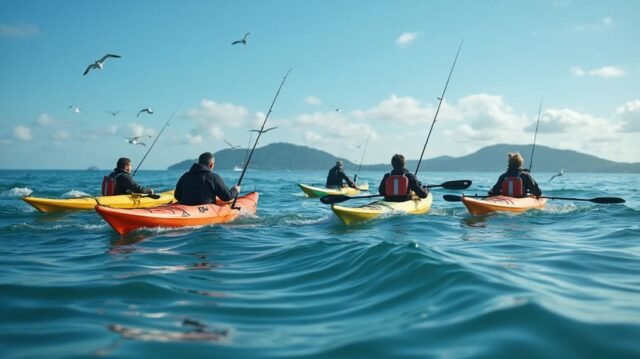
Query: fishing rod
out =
(246, 164)
(355, 178)
(533, 149)
(441, 98)
(154, 141)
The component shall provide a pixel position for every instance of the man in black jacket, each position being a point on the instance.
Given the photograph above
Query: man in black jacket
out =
(125, 184)
(336, 175)
(406, 182)
(201, 186)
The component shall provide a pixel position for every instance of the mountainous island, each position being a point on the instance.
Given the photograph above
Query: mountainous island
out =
(286, 156)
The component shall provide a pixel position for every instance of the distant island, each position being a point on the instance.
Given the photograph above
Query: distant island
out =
(286, 156)
(93, 168)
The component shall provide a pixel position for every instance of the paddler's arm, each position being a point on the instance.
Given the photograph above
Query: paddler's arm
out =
(416, 186)
(221, 189)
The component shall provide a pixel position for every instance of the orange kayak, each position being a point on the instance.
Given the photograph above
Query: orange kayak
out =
(177, 215)
(480, 206)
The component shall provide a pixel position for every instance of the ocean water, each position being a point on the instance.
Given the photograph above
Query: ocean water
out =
(294, 282)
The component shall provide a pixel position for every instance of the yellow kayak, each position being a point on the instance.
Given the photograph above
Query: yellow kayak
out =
(351, 215)
(88, 203)
(314, 192)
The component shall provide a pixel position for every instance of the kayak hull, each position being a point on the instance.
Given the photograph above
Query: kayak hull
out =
(314, 192)
(124, 221)
(482, 206)
(367, 212)
(49, 205)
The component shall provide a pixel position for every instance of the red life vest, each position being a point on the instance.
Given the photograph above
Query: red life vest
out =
(513, 187)
(396, 185)
(109, 185)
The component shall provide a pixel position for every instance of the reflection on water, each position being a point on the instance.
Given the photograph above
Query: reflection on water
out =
(195, 332)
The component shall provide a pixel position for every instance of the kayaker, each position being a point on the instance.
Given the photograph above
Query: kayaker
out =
(336, 176)
(516, 182)
(201, 186)
(398, 185)
(120, 181)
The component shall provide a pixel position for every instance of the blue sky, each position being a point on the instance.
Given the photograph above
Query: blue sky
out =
(382, 63)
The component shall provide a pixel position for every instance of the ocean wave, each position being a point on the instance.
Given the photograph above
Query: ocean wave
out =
(75, 194)
(17, 192)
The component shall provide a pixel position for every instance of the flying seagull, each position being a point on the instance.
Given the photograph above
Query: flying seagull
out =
(113, 113)
(74, 109)
(98, 64)
(561, 173)
(147, 110)
(135, 140)
(264, 131)
(230, 145)
(243, 41)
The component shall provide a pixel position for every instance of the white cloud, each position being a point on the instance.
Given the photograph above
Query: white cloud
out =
(629, 113)
(211, 117)
(190, 139)
(314, 138)
(135, 129)
(19, 30)
(604, 72)
(313, 100)
(406, 38)
(601, 24)
(574, 125)
(60, 136)
(44, 120)
(22, 133)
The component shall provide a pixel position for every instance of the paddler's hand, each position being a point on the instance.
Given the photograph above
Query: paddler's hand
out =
(150, 191)
(237, 188)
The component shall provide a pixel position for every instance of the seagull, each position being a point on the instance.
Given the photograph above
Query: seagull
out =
(134, 140)
(230, 145)
(147, 110)
(561, 173)
(113, 113)
(243, 41)
(74, 109)
(98, 64)
(264, 131)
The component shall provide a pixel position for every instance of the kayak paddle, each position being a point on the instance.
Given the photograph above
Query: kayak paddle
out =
(600, 200)
(338, 198)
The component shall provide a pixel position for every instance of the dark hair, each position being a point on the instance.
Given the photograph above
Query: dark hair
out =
(123, 161)
(397, 161)
(205, 158)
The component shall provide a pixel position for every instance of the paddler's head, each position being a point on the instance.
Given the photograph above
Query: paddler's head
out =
(339, 164)
(397, 161)
(124, 164)
(206, 159)
(515, 160)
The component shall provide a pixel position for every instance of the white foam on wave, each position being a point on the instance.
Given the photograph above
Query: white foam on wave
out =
(17, 192)
(75, 193)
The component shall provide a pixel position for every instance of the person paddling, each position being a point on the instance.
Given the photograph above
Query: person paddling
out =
(336, 176)
(201, 186)
(120, 181)
(515, 182)
(398, 185)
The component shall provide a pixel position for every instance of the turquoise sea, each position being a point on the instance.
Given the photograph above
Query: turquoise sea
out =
(294, 282)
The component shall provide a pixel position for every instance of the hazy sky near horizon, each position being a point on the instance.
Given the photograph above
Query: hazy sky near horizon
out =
(382, 63)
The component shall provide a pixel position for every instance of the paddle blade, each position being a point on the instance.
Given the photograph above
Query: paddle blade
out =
(452, 198)
(154, 196)
(461, 184)
(331, 199)
(607, 200)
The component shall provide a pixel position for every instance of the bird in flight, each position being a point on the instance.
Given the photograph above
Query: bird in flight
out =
(99, 63)
(147, 110)
(264, 131)
(230, 145)
(74, 109)
(561, 173)
(136, 140)
(113, 113)
(243, 41)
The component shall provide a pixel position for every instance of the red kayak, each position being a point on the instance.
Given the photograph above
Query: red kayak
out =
(177, 215)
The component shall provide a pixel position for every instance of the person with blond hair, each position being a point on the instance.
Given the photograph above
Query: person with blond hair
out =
(515, 182)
